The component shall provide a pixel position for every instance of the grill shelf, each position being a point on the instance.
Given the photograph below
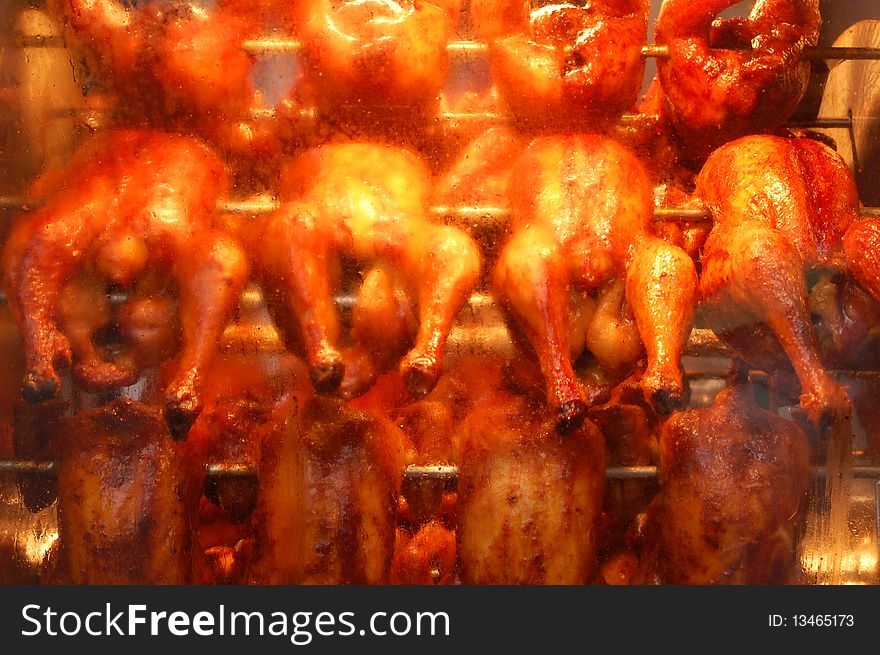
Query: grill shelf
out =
(701, 343)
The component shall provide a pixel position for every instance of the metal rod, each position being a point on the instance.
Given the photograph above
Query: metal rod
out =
(822, 122)
(26, 466)
(230, 470)
(275, 45)
(452, 119)
(661, 51)
(266, 205)
(269, 45)
(837, 52)
(440, 472)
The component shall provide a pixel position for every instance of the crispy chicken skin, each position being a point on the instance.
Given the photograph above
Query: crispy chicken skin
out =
(733, 494)
(327, 498)
(782, 208)
(730, 77)
(563, 65)
(125, 498)
(365, 202)
(134, 205)
(581, 219)
(374, 54)
(528, 499)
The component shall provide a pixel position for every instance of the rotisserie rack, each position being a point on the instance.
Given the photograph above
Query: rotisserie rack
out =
(313, 445)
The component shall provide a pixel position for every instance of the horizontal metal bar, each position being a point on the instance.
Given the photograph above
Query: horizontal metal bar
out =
(413, 473)
(270, 45)
(822, 122)
(274, 45)
(839, 52)
(267, 204)
(26, 466)
(230, 470)
(92, 117)
(443, 472)
(661, 51)
(859, 472)
(630, 472)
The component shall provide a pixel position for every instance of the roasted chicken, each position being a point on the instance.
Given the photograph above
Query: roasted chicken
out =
(385, 59)
(581, 220)
(174, 65)
(327, 498)
(564, 65)
(783, 209)
(366, 203)
(529, 499)
(733, 494)
(126, 498)
(132, 210)
(725, 78)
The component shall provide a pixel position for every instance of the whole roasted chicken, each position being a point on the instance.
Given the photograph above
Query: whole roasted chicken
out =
(784, 209)
(581, 220)
(529, 499)
(328, 487)
(364, 204)
(725, 78)
(384, 58)
(133, 210)
(733, 494)
(174, 65)
(565, 64)
(126, 498)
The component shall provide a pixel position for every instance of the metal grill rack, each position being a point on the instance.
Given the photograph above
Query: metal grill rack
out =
(702, 342)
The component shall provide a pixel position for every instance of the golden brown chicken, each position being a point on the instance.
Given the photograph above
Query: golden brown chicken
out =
(733, 494)
(126, 498)
(581, 220)
(729, 77)
(529, 500)
(783, 209)
(174, 65)
(385, 59)
(131, 208)
(366, 203)
(563, 65)
(327, 498)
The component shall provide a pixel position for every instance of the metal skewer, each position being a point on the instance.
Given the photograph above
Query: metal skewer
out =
(270, 45)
